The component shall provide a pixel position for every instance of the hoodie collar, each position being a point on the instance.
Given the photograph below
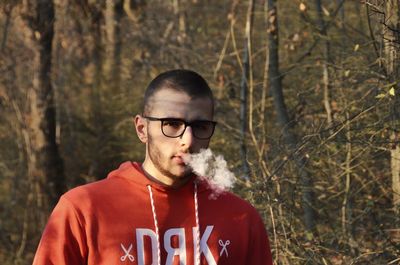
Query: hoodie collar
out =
(133, 172)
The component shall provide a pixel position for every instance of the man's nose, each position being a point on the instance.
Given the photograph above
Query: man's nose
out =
(187, 137)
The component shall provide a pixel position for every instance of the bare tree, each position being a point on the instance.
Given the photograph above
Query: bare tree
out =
(286, 124)
(326, 61)
(244, 87)
(31, 96)
(391, 45)
(44, 161)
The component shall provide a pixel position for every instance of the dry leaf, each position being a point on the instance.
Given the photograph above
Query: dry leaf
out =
(392, 92)
(326, 12)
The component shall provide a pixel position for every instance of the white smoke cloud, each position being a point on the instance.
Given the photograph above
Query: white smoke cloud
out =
(213, 169)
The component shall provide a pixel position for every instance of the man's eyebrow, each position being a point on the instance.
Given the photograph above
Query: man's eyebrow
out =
(187, 121)
(172, 118)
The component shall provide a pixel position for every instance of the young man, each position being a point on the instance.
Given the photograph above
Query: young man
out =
(158, 212)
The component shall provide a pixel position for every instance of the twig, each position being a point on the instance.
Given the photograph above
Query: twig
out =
(222, 54)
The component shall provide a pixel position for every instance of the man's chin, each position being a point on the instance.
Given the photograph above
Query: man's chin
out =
(184, 172)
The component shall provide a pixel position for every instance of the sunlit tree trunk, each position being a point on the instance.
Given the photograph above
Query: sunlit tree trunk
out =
(44, 163)
(38, 122)
(391, 40)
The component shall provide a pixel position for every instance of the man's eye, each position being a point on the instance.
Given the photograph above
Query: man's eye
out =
(175, 124)
(201, 125)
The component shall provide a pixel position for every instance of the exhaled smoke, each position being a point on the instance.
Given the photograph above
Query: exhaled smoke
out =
(213, 169)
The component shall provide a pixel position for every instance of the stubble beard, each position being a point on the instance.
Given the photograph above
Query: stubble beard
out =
(157, 158)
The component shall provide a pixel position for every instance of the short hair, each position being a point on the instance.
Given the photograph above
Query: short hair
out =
(187, 81)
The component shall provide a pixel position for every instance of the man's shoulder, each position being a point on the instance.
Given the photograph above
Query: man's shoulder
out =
(89, 192)
(116, 181)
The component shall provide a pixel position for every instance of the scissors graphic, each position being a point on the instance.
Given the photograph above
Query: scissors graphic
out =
(127, 253)
(224, 247)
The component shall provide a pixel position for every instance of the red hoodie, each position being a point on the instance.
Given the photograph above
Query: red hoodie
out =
(128, 219)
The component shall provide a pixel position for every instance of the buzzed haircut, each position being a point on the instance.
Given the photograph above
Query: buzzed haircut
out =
(187, 81)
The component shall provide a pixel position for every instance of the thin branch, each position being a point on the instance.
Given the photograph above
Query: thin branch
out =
(222, 54)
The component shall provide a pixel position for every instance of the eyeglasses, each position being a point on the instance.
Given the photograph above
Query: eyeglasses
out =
(174, 128)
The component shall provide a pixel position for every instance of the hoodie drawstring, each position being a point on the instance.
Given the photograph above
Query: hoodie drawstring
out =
(153, 209)
(197, 242)
(197, 239)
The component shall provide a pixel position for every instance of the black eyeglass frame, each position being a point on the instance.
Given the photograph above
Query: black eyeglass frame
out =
(162, 120)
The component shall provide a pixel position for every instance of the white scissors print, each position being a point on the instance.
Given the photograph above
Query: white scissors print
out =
(127, 253)
(224, 247)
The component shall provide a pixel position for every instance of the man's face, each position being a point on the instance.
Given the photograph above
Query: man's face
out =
(164, 155)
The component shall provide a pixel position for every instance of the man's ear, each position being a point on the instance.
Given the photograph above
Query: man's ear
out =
(141, 128)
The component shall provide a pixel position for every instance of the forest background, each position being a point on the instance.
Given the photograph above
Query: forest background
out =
(307, 109)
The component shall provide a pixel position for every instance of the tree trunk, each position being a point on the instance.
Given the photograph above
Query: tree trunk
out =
(106, 55)
(45, 165)
(112, 42)
(391, 42)
(275, 84)
(97, 99)
(325, 63)
(347, 203)
(244, 85)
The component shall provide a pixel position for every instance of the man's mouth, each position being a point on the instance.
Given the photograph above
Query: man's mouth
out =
(182, 158)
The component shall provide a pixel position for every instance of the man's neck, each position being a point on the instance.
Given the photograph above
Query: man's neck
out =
(164, 180)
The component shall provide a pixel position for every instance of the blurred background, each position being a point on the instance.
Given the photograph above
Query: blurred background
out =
(307, 108)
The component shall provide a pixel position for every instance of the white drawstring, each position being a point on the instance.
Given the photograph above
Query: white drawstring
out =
(196, 208)
(197, 239)
(153, 208)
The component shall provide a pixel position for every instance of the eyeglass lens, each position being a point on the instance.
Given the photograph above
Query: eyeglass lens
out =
(201, 129)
